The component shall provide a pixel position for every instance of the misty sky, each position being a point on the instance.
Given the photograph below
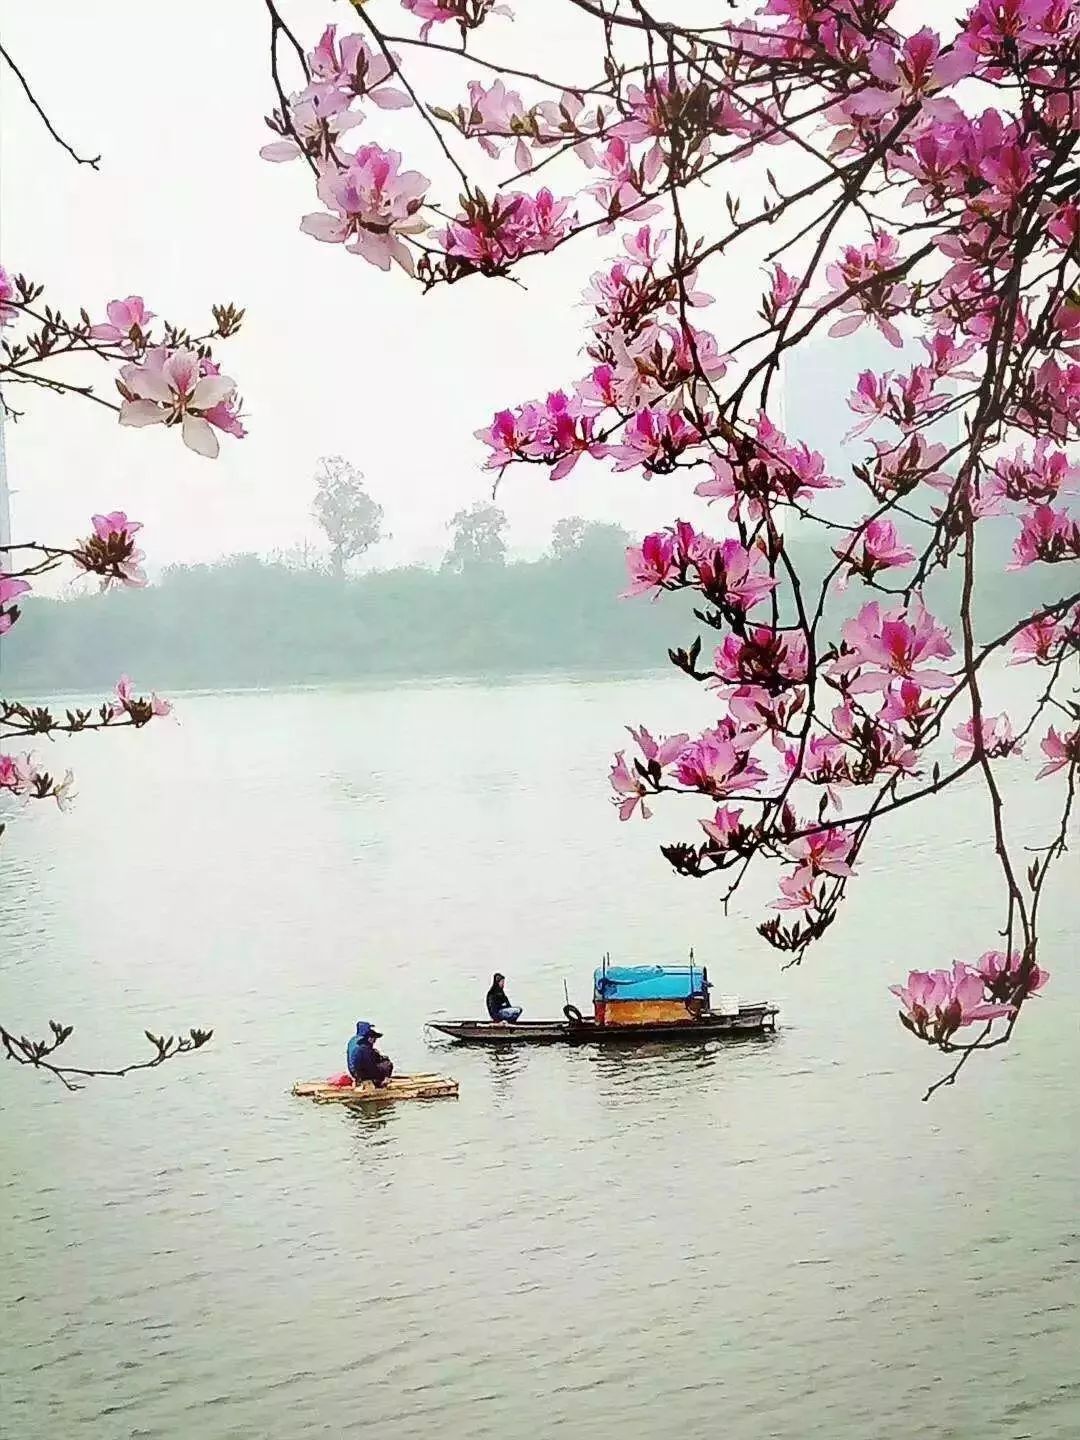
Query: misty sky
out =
(335, 356)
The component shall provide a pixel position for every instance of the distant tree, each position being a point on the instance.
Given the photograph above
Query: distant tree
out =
(567, 535)
(350, 519)
(478, 538)
(301, 556)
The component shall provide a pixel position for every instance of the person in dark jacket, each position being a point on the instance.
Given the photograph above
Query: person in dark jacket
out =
(498, 1002)
(363, 1060)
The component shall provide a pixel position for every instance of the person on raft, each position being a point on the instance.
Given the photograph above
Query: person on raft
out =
(363, 1060)
(498, 1002)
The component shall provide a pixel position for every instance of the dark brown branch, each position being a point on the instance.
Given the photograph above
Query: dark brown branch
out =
(79, 159)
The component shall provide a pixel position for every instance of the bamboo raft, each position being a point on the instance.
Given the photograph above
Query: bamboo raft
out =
(400, 1087)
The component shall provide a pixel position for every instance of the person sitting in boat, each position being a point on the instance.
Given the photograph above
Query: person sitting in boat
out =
(498, 1002)
(363, 1060)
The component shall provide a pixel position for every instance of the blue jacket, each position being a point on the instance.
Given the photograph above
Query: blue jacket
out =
(362, 1059)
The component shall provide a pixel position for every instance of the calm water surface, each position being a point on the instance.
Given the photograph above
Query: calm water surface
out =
(768, 1241)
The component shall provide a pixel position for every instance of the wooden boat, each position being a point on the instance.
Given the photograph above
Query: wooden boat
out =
(400, 1087)
(631, 1003)
(750, 1020)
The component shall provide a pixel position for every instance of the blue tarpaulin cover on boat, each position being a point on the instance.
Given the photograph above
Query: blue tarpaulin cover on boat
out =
(648, 982)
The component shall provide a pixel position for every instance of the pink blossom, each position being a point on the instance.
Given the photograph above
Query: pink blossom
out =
(1041, 640)
(1060, 751)
(764, 470)
(630, 791)
(374, 203)
(128, 323)
(735, 577)
(138, 709)
(897, 469)
(653, 439)
(725, 828)
(8, 312)
(879, 549)
(919, 67)
(716, 765)
(798, 891)
(652, 564)
(1003, 975)
(492, 235)
(1001, 28)
(1046, 534)
(623, 192)
(1064, 224)
(906, 704)
(783, 290)
(915, 70)
(17, 773)
(869, 398)
(862, 269)
(110, 551)
(10, 589)
(169, 388)
(317, 117)
(351, 66)
(937, 1003)
(597, 391)
(997, 736)
(1050, 403)
(467, 13)
(658, 752)
(555, 433)
(772, 659)
(897, 644)
(824, 852)
(823, 760)
(944, 355)
(225, 415)
(1035, 479)
(495, 111)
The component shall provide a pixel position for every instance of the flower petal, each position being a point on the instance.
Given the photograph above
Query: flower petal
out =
(140, 413)
(279, 150)
(331, 228)
(210, 391)
(200, 436)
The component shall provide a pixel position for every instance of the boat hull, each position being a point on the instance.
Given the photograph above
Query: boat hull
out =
(751, 1020)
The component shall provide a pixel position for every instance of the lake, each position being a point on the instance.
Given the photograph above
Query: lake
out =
(765, 1241)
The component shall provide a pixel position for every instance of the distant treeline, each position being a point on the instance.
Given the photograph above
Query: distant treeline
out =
(251, 622)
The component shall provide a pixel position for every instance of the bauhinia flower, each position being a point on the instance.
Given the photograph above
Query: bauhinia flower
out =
(1043, 639)
(375, 203)
(137, 708)
(1047, 534)
(169, 388)
(128, 323)
(110, 551)
(467, 13)
(1060, 751)
(8, 313)
(824, 852)
(937, 1003)
(1006, 976)
(17, 773)
(996, 734)
(874, 548)
(11, 588)
(630, 790)
(896, 645)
